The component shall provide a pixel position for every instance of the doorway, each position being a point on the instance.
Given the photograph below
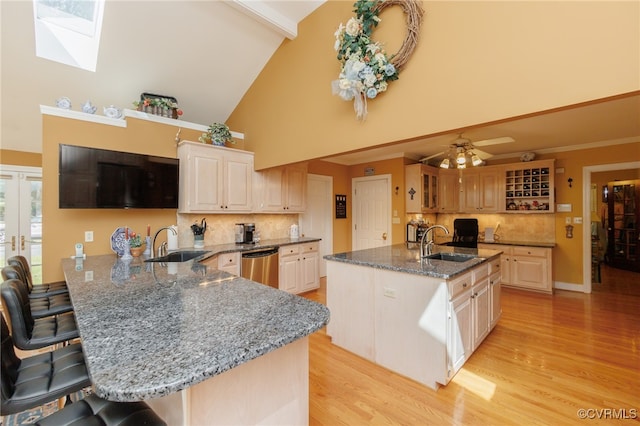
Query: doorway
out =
(317, 221)
(371, 212)
(21, 216)
(588, 195)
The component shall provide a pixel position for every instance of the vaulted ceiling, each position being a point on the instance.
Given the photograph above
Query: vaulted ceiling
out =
(208, 53)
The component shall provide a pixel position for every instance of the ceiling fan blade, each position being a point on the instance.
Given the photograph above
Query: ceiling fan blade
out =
(422, 160)
(494, 141)
(482, 154)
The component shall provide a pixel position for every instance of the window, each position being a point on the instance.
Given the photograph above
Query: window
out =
(68, 31)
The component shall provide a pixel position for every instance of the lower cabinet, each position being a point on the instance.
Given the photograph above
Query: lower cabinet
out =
(299, 269)
(525, 267)
(228, 262)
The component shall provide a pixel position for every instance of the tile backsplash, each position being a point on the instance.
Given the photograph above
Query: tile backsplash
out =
(220, 228)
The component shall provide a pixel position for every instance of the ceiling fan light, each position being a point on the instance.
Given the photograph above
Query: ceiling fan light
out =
(462, 166)
(475, 160)
(461, 158)
(445, 163)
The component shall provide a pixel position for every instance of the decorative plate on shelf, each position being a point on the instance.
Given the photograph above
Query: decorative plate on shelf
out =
(118, 241)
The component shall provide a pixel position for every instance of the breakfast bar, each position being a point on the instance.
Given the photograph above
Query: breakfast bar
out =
(200, 345)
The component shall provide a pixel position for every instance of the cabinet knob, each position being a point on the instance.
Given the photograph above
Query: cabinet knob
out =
(464, 285)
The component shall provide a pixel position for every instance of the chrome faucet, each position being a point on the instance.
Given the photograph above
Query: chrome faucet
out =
(153, 244)
(428, 249)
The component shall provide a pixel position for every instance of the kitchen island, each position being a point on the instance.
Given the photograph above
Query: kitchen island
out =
(420, 318)
(200, 345)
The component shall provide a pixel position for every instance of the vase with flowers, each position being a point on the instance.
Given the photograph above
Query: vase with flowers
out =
(217, 134)
(136, 244)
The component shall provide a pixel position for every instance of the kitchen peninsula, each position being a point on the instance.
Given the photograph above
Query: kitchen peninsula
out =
(200, 345)
(419, 318)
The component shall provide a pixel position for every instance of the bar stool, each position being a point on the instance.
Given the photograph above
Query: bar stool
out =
(41, 290)
(34, 333)
(36, 380)
(93, 410)
(41, 306)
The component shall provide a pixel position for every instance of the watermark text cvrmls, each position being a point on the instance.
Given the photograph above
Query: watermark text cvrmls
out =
(608, 413)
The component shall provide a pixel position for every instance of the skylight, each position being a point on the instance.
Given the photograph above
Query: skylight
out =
(68, 31)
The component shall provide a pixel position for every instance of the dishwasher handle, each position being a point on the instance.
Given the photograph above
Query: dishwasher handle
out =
(260, 253)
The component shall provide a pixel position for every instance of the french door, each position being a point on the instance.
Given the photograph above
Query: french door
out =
(21, 216)
(623, 249)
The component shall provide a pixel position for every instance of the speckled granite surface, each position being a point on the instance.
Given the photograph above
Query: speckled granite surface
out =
(406, 258)
(150, 329)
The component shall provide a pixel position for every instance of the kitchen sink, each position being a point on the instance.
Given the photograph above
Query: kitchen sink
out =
(178, 256)
(451, 257)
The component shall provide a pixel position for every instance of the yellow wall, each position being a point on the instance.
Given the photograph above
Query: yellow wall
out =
(20, 158)
(63, 228)
(475, 62)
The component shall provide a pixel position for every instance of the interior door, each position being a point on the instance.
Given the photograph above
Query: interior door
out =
(371, 212)
(624, 216)
(21, 216)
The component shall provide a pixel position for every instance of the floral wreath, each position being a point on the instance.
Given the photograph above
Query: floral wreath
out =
(365, 67)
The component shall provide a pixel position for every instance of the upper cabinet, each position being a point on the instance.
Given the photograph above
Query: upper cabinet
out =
(281, 189)
(214, 179)
(449, 190)
(421, 183)
(528, 187)
(479, 190)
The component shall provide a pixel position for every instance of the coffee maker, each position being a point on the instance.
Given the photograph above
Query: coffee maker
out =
(244, 233)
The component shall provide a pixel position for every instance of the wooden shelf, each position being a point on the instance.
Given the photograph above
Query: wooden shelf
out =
(122, 122)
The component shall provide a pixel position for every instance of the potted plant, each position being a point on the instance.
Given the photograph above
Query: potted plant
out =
(217, 134)
(136, 244)
(165, 107)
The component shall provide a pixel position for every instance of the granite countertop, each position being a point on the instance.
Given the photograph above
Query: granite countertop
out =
(151, 329)
(406, 258)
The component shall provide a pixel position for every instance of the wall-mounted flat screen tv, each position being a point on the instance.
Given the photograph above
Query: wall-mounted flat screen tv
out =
(91, 178)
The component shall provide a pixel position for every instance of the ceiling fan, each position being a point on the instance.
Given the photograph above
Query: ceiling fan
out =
(462, 151)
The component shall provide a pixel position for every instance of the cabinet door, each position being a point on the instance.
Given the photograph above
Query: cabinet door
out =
(469, 191)
(273, 193)
(229, 262)
(481, 311)
(460, 334)
(530, 272)
(289, 272)
(310, 276)
(449, 191)
(488, 190)
(237, 182)
(495, 287)
(201, 187)
(296, 189)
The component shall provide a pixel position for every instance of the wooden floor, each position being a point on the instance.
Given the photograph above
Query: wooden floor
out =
(548, 358)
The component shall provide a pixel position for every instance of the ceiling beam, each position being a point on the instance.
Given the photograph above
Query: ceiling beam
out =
(267, 16)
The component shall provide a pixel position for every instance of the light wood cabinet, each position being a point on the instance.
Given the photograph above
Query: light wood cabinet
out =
(282, 189)
(228, 262)
(214, 179)
(529, 186)
(299, 269)
(479, 190)
(525, 267)
(449, 190)
(421, 184)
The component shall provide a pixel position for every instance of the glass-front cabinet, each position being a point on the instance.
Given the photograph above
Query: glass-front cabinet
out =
(622, 229)
(529, 187)
(421, 183)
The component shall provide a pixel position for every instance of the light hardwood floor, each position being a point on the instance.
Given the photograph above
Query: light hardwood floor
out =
(548, 358)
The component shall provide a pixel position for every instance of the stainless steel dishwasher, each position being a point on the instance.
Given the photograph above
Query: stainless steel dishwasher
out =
(261, 266)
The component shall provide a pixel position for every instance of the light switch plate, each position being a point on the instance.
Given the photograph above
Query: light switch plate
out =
(577, 220)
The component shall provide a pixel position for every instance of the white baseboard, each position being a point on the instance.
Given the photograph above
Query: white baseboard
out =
(569, 286)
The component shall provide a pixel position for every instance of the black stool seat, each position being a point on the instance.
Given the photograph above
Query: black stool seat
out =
(36, 380)
(38, 290)
(97, 411)
(45, 305)
(34, 333)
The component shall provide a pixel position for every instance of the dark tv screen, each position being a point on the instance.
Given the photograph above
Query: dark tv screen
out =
(91, 178)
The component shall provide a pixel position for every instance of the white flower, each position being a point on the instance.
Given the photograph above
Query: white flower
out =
(345, 84)
(353, 27)
(339, 31)
(380, 59)
(370, 80)
(358, 66)
(382, 86)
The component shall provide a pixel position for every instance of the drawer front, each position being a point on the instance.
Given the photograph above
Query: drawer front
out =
(290, 250)
(309, 247)
(459, 285)
(530, 251)
(228, 259)
(494, 266)
(480, 272)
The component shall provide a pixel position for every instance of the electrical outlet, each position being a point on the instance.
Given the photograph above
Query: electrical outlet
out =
(577, 220)
(88, 275)
(389, 292)
(88, 236)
